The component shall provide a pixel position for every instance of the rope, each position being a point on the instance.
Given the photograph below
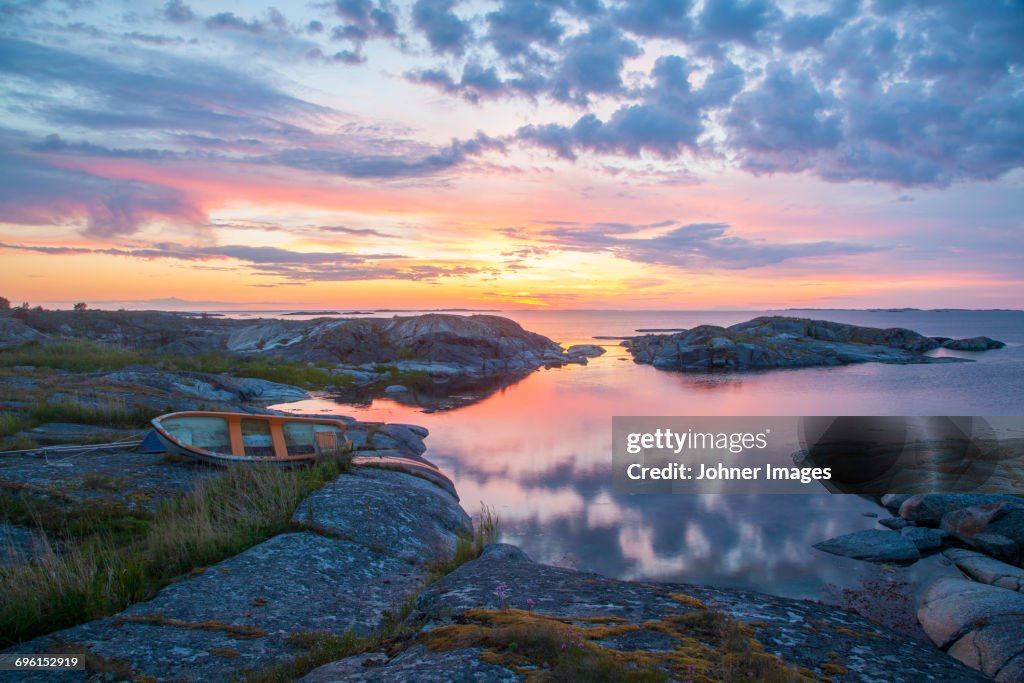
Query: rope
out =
(74, 450)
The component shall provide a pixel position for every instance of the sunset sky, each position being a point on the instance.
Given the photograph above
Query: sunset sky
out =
(660, 154)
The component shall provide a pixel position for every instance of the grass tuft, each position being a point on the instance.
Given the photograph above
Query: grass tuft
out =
(108, 560)
(470, 546)
(11, 424)
(73, 356)
(82, 356)
(110, 412)
(317, 648)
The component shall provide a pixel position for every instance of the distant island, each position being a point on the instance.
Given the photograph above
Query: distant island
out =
(785, 342)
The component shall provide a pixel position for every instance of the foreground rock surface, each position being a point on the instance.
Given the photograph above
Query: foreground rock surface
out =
(783, 342)
(794, 630)
(873, 545)
(978, 624)
(996, 528)
(985, 569)
(422, 529)
(335, 577)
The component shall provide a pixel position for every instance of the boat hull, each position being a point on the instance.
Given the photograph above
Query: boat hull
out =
(226, 439)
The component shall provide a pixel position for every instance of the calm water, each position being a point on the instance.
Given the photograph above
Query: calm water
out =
(539, 451)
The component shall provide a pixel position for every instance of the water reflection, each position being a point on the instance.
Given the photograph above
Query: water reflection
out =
(431, 393)
(539, 450)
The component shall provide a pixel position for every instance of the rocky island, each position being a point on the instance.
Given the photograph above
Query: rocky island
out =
(783, 342)
(159, 361)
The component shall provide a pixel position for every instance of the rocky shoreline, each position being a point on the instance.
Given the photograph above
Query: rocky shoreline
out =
(356, 564)
(435, 343)
(367, 572)
(978, 618)
(782, 342)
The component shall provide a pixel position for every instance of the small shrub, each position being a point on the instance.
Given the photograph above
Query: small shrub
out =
(11, 424)
(109, 412)
(470, 546)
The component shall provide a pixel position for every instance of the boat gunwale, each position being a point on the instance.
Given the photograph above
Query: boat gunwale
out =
(205, 454)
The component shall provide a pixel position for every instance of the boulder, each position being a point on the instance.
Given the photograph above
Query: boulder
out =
(586, 350)
(972, 344)
(924, 538)
(14, 332)
(995, 527)
(893, 501)
(261, 390)
(190, 384)
(398, 513)
(985, 569)
(873, 545)
(928, 508)
(894, 523)
(978, 624)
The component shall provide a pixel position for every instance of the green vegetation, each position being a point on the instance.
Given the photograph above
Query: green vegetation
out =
(82, 356)
(468, 547)
(273, 370)
(710, 647)
(318, 648)
(402, 376)
(111, 412)
(73, 356)
(97, 560)
(12, 424)
(542, 648)
(53, 513)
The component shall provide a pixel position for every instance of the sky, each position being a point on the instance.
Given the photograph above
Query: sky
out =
(653, 154)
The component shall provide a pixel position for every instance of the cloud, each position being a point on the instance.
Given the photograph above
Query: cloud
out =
(356, 232)
(592, 64)
(692, 246)
(366, 19)
(107, 206)
(171, 92)
(177, 12)
(276, 262)
(783, 122)
(656, 18)
(478, 82)
(340, 57)
(445, 31)
(362, 165)
(230, 21)
(518, 25)
(803, 31)
(667, 120)
(735, 20)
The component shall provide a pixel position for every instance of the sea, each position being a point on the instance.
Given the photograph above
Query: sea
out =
(539, 450)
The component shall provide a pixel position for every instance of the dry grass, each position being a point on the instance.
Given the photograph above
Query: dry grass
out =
(316, 649)
(103, 571)
(469, 546)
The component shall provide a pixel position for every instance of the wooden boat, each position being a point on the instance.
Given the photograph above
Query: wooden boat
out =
(237, 438)
(232, 438)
